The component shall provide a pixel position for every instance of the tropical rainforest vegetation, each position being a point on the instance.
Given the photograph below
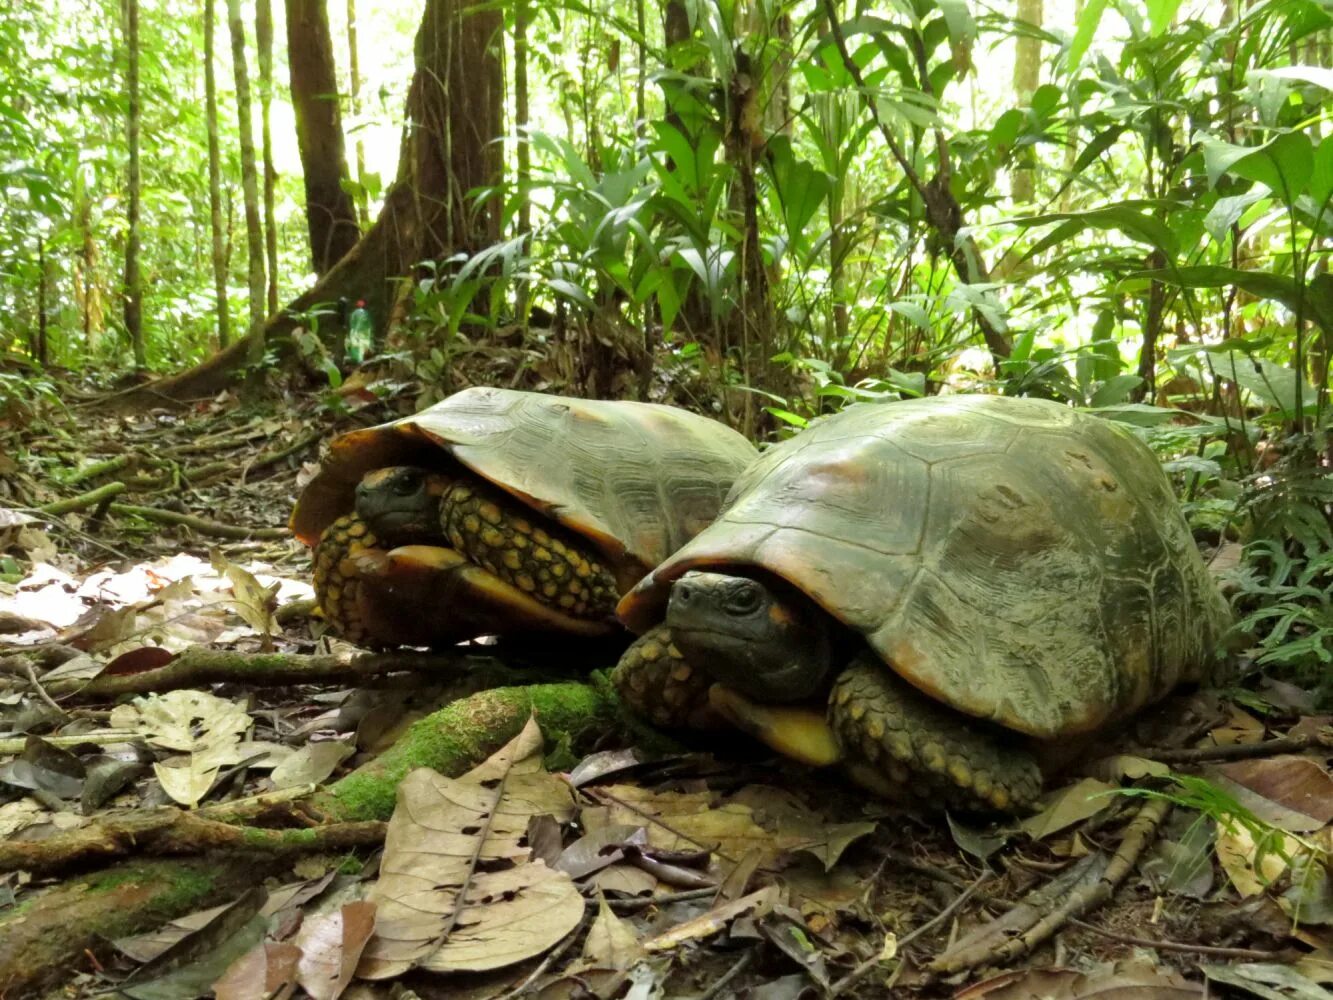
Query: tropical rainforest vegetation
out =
(763, 210)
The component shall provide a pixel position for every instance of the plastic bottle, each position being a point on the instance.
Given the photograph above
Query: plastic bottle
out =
(360, 336)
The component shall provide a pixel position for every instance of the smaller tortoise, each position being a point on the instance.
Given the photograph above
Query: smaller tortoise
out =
(499, 511)
(961, 580)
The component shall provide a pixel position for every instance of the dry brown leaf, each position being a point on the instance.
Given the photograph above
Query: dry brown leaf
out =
(755, 905)
(1242, 727)
(1064, 807)
(458, 891)
(1252, 866)
(1131, 982)
(612, 942)
(331, 945)
(266, 970)
(689, 820)
(1295, 793)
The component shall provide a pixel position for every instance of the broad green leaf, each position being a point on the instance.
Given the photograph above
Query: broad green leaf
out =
(913, 312)
(1318, 305)
(1126, 219)
(1270, 382)
(1321, 175)
(1283, 164)
(1160, 15)
(1087, 27)
(1115, 390)
(801, 188)
(1317, 75)
(1227, 212)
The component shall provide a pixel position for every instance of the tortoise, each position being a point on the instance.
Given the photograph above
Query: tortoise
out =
(956, 582)
(500, 511)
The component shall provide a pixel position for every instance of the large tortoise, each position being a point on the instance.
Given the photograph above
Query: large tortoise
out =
(957, 578)
(500, 511)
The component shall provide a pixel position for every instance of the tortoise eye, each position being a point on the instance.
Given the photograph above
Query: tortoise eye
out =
(407, 483)
(745, 599)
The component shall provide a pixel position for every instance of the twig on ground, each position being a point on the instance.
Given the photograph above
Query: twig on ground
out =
(84, 500)
(724, 980)
(202, 525)
(1242, 751)
(1211, 951)
(1139, 833)
(862, 970)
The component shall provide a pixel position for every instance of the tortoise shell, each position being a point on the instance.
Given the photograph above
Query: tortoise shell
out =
(1013, 558)
(635, 479)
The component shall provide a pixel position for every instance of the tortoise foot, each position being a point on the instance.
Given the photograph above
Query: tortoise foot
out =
(655, 681)
(337, 577)
(896, 738)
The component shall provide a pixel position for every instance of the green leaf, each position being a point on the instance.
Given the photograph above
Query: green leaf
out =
(1160, 15)
(1321, 175)
(1264, 284)
(1227, 212)
(1283, 164)
(1126, 219)
(1087, 27)
(1115, 390)
(1317, 75)
(801, 188)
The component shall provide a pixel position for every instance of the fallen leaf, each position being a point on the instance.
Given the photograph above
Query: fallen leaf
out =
(1067, 806)
(612, 943)
(1132, 981)
(1271, 981)
(311, 764)
(446, 902)
(266, 970)
(1294, 793)
(331, 946)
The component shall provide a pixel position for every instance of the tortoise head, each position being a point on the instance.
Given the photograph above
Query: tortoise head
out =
(760, 638)
(401, 504)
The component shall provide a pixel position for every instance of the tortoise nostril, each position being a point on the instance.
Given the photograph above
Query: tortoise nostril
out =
(684, 593)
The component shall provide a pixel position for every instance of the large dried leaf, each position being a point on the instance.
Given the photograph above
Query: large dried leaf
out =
(681, 821)
(1273, 982)
(331, 946)
(612, 942)
(458, 890)
(207, 729)
(1293, 793)
(755, 905)
(1064, 807)
(1131, 982)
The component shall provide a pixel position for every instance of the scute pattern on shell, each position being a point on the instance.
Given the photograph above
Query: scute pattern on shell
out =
(636, 479)
(1013, 558)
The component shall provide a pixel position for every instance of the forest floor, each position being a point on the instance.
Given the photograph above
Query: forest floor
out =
(128, 543)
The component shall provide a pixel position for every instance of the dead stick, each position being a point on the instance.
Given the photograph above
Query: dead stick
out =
(83, 500)
(860, 972)
(1242, 751)
(202, 525)
(173, 832)
(199, 665)
(1140, 832)
(1211, 951)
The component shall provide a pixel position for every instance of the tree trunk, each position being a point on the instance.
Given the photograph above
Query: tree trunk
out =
(264, 42)
(1027, 77)
(249, 187)
(330, 213)
(133, 279)
(448, 148)
(215, 180)
(41, 348)
(523, 152)
(354, 54)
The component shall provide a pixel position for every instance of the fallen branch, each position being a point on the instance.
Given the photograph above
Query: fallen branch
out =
(174, 832)
(103, 468)
(198, 666)
(202, 525)
(1323, 739)
(84, 500)
(1139, 833)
